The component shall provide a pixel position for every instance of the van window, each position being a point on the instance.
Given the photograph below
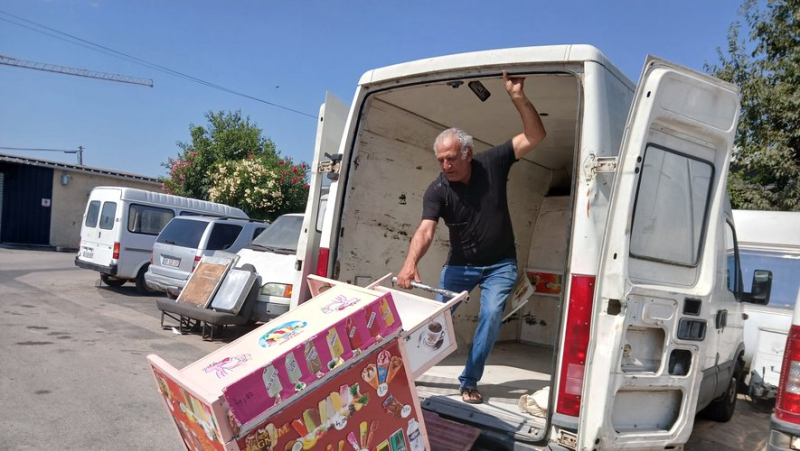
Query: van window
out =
(671, 205)
(223, 236)
(732, 272)
(92, 213)
(148, 220)
(108, 215)
(785, 267)
(183, 232)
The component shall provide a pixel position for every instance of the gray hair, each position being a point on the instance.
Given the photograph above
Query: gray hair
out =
(460, 135)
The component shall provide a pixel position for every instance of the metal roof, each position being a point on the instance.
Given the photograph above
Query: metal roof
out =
(74, 167)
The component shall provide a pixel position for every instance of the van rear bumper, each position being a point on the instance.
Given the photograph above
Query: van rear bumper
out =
(110, 270)
(782, 434)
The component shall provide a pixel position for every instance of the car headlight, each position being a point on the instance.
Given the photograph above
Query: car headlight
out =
(283, 290)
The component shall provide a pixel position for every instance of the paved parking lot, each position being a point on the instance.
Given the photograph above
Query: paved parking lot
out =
(73, 373)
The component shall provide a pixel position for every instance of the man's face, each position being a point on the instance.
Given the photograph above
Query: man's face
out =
(454, 166)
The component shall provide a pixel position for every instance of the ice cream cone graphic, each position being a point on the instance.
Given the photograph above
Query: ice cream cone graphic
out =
(394, 366)
(370, 375)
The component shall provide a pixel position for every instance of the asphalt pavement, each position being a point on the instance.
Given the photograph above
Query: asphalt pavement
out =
(74, 374)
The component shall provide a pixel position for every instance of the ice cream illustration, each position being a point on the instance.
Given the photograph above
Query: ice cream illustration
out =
(353, 335)
(370, 375)
(272, 382)
(394, 366)
(334, 343)
(386, 313)
(383, 366)
(312, 358)
(372, 324)
(281, 333)
(293, 368)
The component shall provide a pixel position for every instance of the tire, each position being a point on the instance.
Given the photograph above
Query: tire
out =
(722, 409)
(112, 281)
(141, 285)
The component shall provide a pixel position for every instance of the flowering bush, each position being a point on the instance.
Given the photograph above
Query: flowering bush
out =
(231, 163)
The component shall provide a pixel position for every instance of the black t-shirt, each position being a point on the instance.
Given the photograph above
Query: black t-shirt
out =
(476, 213)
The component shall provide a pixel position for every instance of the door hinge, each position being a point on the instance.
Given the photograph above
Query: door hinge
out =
(331, 166)
(594, 164)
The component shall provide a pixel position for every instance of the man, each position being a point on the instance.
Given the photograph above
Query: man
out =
(470, 195)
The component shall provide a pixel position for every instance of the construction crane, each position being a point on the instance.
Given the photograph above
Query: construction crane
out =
(8, 61)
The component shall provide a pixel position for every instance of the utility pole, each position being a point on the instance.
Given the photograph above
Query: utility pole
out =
(80, 155)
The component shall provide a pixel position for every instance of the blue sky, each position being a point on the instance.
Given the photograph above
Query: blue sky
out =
(287, 53)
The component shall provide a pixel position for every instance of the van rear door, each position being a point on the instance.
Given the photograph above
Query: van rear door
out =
(332, 117)
(100, 227)
(652, 330)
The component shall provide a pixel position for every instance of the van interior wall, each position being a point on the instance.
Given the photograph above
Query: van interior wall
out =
(394, 165)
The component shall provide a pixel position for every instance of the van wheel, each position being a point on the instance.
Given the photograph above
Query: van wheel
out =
(112, 281)
(141, 285)
(722, 409)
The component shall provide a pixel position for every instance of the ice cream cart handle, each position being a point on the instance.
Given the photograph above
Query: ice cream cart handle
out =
(446, 293)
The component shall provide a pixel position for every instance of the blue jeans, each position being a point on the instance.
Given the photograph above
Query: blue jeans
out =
(496, 282)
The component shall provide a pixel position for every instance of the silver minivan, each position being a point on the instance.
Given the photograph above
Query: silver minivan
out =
(185, 240)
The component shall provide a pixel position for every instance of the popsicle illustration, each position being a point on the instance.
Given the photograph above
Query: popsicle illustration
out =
(373, 426)
(271, 381)
(363, 429)
(312, 358)
(386, 313)
(293, 368)
(351, 437)
(323, 412)
(311, 418)
(394, 366)
(383, 366)
(352, 334)
(331, 412)
(341, 445)
(344, 393)
(337, 401)
(372, 323)
(299, 427)
(370, 375)
(334, 343)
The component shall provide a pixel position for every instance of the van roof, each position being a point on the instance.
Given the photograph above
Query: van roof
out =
(502, 58)
(771, 228)
(152, 197)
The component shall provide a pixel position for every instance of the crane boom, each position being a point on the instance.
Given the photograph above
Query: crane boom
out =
(8, 61)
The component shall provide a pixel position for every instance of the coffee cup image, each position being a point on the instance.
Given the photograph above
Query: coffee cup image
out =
(432, 334)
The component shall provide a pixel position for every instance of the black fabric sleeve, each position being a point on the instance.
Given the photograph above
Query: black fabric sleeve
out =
(432, 202)
(501, 156)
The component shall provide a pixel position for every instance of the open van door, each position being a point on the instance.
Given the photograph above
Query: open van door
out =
(652, 330)
(332, 117)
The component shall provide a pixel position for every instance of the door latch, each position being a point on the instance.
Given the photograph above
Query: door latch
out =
(594, 164)
(332, 166)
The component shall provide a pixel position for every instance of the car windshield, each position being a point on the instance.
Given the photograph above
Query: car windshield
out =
(785, 267)
(282, 234)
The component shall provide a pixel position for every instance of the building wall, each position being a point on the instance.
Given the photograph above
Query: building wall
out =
(69, 202)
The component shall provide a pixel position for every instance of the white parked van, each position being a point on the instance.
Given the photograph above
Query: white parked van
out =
(120, 226)
(620, 213)
(769, 246)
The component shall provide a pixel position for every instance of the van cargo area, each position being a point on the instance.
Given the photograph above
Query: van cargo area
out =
(394, 163)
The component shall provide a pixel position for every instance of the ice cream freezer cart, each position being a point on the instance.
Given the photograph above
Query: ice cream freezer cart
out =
(336, 373)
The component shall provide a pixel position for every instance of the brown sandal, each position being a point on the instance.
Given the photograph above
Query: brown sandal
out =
(471, 395)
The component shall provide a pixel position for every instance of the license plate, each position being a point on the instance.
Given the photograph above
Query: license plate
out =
(172, 262)
(88, 253)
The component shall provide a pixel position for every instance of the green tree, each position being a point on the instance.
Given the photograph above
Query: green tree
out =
(765, 169)
(229, 161)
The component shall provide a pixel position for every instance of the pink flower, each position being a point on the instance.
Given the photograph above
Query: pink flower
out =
(250, 156)
(294, 170)
(294, 179)
(280, 162)
(303, 165)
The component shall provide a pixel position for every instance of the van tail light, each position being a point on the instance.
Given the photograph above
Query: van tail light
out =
(322, 261)
(787, 404)
(573, 359)
(196, 262)
(115, 255)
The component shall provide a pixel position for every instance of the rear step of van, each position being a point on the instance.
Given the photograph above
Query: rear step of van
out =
(444, 434)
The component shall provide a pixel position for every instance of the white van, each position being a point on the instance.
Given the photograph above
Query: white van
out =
(769, 246)
(121, 224)
(620, 212)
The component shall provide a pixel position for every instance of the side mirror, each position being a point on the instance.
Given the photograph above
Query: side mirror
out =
(762, 286)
